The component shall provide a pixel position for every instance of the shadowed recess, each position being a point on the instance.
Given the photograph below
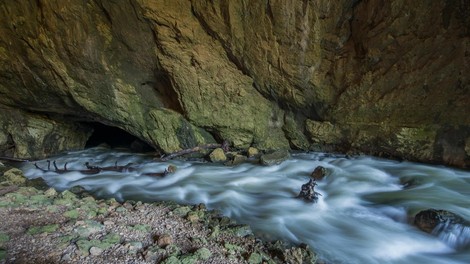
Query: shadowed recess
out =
(115, 138)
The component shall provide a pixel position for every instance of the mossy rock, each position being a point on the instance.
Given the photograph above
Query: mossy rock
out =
(42, 229)
(217, 155)
(275, 157)
(15, 177)
(73, 214)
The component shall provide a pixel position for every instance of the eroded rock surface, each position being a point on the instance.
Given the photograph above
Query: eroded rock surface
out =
(381, 78)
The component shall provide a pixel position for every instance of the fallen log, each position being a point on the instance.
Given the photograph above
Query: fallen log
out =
(169, 170)
(115, 168)
(65, 170)
(13, 159)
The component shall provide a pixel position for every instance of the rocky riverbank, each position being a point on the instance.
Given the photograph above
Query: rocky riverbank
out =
(41, 225)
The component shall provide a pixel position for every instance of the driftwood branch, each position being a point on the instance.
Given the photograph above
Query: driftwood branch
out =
(224, 146)
(169, 170)
(116, 168)
(13, 159)
(91, 169)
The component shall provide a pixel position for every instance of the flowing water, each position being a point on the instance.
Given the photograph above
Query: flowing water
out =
(363, 215)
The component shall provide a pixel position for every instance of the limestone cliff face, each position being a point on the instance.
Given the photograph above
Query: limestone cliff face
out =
(380, 77)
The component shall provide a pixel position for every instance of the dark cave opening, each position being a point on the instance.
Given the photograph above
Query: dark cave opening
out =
(115, 137)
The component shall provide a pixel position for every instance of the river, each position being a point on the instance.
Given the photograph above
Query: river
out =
(362, 215)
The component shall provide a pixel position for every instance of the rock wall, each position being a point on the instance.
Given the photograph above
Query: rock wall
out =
(379, 77)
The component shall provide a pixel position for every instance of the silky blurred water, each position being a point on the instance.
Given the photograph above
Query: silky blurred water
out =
(361, 217)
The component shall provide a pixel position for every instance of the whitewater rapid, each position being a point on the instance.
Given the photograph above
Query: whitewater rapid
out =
(362, 215)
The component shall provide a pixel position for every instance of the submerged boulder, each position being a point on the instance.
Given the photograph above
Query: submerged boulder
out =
(428, 220)
(450, 228)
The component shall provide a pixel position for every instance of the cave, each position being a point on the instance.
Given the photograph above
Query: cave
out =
(115, 138)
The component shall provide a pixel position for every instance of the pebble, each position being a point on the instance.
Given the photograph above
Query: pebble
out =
(66, 257)
(95, 251)
(164, 240)
(108, 223)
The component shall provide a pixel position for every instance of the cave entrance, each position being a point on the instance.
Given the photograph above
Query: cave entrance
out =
(115, 138)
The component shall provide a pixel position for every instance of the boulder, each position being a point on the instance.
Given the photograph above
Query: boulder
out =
(428, 220)
(275, 157)
(217, 155)
(15, 177)
(318, 174)
(251, 152)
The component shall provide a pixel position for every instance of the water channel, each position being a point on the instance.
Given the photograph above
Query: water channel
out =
(364, 213)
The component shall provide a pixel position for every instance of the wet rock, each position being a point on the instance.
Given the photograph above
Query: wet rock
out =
(299, 255)
(78, 190)
(236, 160)
(308, 193)
(275, 157)
(237, 230)
(37, 183)
(428, 220)
(410, 182)
(319, 173)
(195, 216)
(182, 210)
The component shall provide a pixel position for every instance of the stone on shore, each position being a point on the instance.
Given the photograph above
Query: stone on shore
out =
(14, 177)
(252, 152)
(217, 155)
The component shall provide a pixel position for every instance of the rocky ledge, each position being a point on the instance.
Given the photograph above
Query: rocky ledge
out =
(42, 225)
